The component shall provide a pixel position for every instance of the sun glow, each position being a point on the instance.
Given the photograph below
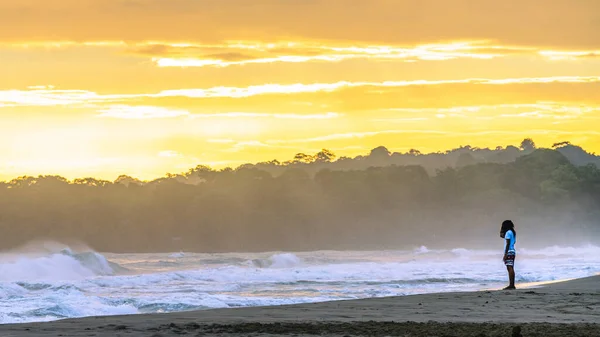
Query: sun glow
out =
(166, 86)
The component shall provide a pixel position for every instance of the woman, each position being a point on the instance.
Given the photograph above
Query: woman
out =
(508, 233)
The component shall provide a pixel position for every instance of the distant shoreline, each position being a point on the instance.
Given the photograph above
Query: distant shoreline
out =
(555, 308)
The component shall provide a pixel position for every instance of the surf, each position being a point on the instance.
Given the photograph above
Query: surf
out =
(57, 282)
(53, 264)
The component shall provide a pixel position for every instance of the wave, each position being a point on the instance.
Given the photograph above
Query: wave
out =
(58, 266)
(285, 260)
(551, 251)
(461, 252)
(95, 262)
(554, 251)
(421, 250)
(63, 283)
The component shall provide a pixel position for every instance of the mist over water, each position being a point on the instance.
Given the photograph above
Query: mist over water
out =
(61, 282)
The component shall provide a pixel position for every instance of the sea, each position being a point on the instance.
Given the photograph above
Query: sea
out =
(61, 282)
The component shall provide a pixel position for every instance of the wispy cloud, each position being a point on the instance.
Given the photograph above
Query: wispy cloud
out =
(553, 110)
(140, 112)
(220, 141)
(400, 119)
(328, 115)
(193, 55)
(45, 97)
(298, 88)
(255, 144)
(429, 133)
(150, 112)
(352, 135)
(169, 154)
(548, 110)
(250, 143)
(80, 97)
(570, 55)
(189, 54)
(41, 87)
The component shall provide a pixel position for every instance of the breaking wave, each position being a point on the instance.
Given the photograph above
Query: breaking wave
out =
(61, 282)
(284, 260)
(58, 266)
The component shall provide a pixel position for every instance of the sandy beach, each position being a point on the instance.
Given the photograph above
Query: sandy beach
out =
(570, 308)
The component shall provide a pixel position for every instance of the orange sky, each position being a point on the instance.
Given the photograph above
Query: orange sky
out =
(144, 87)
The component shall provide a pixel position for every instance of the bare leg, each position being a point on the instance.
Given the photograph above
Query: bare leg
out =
(511, 277)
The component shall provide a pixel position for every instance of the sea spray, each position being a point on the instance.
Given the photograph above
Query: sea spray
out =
(55, 267)
(51, 285)
(284, 260)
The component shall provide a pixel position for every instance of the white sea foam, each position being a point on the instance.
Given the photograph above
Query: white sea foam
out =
(64, 283)
(286, 260)
(283, 260)
(422, 250)
(54, 267)
(177, 255)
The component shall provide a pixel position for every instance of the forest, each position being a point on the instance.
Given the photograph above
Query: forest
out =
(382, 200)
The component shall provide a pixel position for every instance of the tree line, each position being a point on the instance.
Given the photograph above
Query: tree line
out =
(317, 202)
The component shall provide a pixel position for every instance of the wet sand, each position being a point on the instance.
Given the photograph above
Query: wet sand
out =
(570, 308)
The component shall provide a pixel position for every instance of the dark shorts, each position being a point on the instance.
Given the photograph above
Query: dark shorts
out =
(510, 259)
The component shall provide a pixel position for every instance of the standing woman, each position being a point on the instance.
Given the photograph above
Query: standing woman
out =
(508, 233)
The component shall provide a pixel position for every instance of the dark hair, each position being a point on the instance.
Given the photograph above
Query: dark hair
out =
(506, 226)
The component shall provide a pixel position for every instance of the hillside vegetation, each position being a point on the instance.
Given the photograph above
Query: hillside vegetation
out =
(383, 200)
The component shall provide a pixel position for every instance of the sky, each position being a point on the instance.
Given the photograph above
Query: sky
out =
(144, 87)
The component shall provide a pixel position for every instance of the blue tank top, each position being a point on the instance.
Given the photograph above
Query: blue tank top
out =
(510, 235)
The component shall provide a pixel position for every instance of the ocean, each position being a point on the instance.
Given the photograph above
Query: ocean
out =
(63, 283)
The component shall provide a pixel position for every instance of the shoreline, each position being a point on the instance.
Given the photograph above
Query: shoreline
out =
(533, 285)
(539, 308)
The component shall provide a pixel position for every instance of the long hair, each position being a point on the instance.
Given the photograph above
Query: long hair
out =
(506, 226)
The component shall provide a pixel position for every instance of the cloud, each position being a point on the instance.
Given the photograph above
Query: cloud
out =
(565, 23)
(557, 55)
(169, 154)
(184, 55)
(228, 57)
(140, 112)
(296, 52)
(148, 112)
(221, 141)
(400, 120)
(540, 110)
(238, 92)
(429, 133)
(328, 115)
(227, 53)
(351, 135)
(250, 143)
(86, 98)
(41, 87)
(543, 106)
(256, 144)
(297, 88)
(46, 97)
(171, 54)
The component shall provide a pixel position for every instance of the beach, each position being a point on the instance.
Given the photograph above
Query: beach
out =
(569, 308)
